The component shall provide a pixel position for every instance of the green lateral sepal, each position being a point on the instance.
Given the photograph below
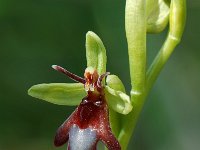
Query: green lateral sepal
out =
(115, 83)
(59, 93)
(118, 101)
(115, 94)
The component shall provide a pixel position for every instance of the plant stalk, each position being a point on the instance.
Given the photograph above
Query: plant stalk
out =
(135, 25)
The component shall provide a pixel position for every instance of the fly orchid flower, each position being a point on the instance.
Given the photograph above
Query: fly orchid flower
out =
(91, 121)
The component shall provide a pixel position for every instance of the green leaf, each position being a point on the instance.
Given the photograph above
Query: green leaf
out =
(59, 93)
(116, 97)
(95, 52)
(157, 15)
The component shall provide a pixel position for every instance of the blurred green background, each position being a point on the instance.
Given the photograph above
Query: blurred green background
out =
(34, 34)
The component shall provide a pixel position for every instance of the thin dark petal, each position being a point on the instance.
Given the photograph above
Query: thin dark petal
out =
(69, 74)
(101, 78)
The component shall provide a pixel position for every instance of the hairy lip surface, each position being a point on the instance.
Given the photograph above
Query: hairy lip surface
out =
(81, 139)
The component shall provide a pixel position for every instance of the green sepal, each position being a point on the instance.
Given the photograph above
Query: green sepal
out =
(118, 101)
(59, 93)
(157, 15)
(115, 83)
(116, 97)
(95, 52)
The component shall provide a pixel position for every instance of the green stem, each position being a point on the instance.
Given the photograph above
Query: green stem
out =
(139, 99)
(160, 60)
(135, 24)
(176, 27)
(130, 120)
